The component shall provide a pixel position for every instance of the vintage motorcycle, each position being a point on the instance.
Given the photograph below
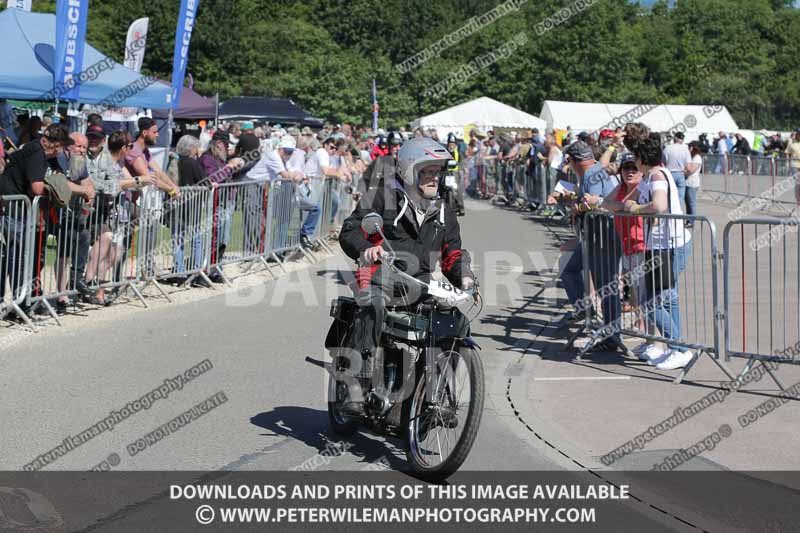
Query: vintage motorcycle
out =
(427, 382)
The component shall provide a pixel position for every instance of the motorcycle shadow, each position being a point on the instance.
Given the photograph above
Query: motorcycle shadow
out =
(310, 426)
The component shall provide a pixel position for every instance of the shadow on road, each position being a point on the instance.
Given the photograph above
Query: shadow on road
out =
(310, 426)
(341, 277)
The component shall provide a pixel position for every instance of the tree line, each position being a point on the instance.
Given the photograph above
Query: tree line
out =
(324, 54)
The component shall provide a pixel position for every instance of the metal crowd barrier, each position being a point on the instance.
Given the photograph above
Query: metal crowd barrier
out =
(619, 249)
(240, 226)
(16, 219)
(112, 255)
(176, 235)
(737, 179)
(61, 249)
(141, 238)
(762, 291)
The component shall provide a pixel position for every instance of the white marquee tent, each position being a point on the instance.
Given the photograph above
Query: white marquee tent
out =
(483, 112)
(585, 116)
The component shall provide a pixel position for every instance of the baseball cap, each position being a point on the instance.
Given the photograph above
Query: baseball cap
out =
(306, 131)
(579, 151)
(293, 131)
(626, 159)
(58, 133)
(583, 135)
(95, 133)
(287, 143)
(247, 126)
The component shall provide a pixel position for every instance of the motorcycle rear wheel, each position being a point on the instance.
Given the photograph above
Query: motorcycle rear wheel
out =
(441, 427)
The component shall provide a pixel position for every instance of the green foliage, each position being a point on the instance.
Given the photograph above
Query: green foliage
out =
(324, 54)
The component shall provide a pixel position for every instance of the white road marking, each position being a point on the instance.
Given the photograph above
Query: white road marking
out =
(584, 378)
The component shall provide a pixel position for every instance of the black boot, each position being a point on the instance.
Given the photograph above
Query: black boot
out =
(306, 243)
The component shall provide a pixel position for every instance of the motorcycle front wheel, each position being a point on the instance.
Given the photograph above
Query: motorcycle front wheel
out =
(443, 414)
(341, 424)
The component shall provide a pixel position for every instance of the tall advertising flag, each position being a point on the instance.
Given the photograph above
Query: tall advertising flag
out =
(19, 4)
(374, 107)
(135, 43)
(71, 18)
(183, 35)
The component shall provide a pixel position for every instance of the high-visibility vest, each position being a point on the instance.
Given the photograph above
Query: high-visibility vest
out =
(457, 158)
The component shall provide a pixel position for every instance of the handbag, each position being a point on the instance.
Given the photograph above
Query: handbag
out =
(306, 196)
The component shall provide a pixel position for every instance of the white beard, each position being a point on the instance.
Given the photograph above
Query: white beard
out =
(77, 166)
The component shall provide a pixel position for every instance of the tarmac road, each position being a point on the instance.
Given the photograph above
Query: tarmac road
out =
(272, 413)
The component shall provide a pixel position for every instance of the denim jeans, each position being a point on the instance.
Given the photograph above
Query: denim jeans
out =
(572, 276)
(680, 183)
(665, 311)
(178, 238)
(310, 223)
(691, 200)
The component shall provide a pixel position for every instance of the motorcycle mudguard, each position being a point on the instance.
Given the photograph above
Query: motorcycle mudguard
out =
(342, 310)
(337, 335)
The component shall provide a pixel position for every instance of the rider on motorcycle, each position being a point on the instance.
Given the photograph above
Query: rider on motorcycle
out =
(420, 229)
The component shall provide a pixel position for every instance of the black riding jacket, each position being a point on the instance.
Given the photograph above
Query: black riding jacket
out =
(438, 239)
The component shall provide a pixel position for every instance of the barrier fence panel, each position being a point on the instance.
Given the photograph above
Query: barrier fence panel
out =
(786, 167)
(326, 207)
(761, 290)
(761, 165)
(82, 249)
(668, 271)
(766, 179)
(16, 240)
(739, 164)
(284, 219)
(183, 242)
(240, 225)
(343, 191)
(112, 267)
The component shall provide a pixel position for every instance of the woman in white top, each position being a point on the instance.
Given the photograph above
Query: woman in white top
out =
(668, 240)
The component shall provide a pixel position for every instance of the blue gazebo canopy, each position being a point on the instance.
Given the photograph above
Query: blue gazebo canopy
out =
(26, 72)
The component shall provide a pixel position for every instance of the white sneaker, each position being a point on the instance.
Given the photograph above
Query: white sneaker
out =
(677, 359)
(639, 349)
(653, 354)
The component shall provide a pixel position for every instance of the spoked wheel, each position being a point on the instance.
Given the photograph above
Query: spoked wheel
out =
(341, 424)
(442, 424)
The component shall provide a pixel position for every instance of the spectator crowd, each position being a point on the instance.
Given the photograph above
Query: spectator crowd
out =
(113, 178)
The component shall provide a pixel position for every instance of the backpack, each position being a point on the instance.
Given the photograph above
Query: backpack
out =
(57, 186)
